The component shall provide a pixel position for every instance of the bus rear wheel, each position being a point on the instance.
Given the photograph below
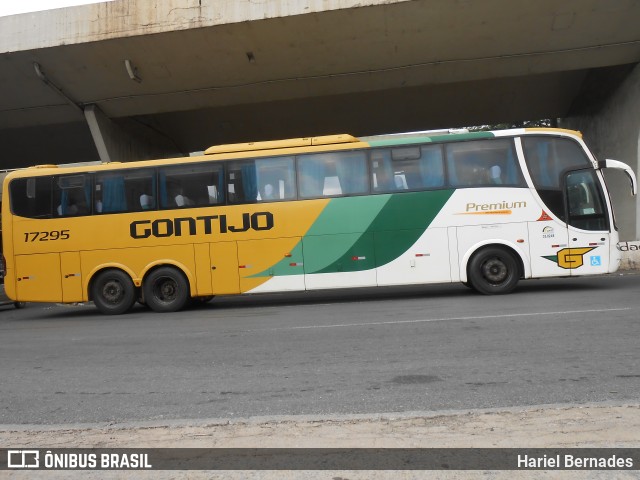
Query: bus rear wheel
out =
(113, 292)
(166, 290)
(494, 271)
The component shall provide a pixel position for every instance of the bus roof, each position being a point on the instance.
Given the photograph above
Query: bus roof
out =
(427, 136)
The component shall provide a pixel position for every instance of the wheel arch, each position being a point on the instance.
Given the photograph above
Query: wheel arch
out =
(522, 257)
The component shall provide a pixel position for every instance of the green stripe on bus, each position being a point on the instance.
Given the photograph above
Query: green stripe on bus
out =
(348, 215)
(453, 137)
(410, 212)
(342, 216)
(350, 233)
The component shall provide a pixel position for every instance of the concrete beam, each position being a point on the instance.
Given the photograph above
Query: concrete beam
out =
(99, 125)
(114, 144)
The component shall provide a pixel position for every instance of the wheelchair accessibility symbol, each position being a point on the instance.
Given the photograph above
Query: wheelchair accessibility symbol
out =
(596, 261)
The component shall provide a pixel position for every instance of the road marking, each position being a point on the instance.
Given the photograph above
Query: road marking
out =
(427, 320)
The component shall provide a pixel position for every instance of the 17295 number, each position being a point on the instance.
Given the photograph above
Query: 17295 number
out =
(46, 236)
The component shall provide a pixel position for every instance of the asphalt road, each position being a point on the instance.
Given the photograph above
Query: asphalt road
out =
(565, 341)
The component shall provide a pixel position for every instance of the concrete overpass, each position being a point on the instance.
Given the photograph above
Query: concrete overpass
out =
(133, 79)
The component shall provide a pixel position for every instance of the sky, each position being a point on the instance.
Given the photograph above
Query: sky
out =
(12, 7)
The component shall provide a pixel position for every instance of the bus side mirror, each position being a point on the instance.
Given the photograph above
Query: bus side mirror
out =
(608, 163)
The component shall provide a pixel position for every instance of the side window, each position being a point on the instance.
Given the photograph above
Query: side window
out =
(483, 163)
(276, 179)
(125, 191)
(407, 168)
(31, 197)
(72, 195)
(191, 185)
(584, 201)
(242, 182)
(331, 174)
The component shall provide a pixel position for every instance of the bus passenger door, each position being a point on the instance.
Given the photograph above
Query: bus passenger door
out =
(71, 277)
(588, 253)
(589, 235)
(38, 277)
(224, 268)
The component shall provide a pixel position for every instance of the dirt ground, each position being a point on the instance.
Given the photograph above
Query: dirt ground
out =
(599, 425)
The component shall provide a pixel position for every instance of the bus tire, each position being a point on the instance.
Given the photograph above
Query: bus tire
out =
(493, 271)
(166, 289)
(113, 292)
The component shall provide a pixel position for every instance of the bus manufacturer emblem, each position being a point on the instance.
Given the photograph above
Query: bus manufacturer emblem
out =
(570, 257)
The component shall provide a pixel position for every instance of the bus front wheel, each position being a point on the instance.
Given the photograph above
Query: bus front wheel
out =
(166, 290)
(494, 271)
(113, 292)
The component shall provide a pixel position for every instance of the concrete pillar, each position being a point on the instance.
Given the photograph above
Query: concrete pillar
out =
(115, 144)
(614, 132)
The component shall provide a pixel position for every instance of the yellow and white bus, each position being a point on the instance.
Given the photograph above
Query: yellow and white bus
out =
(484, 208)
